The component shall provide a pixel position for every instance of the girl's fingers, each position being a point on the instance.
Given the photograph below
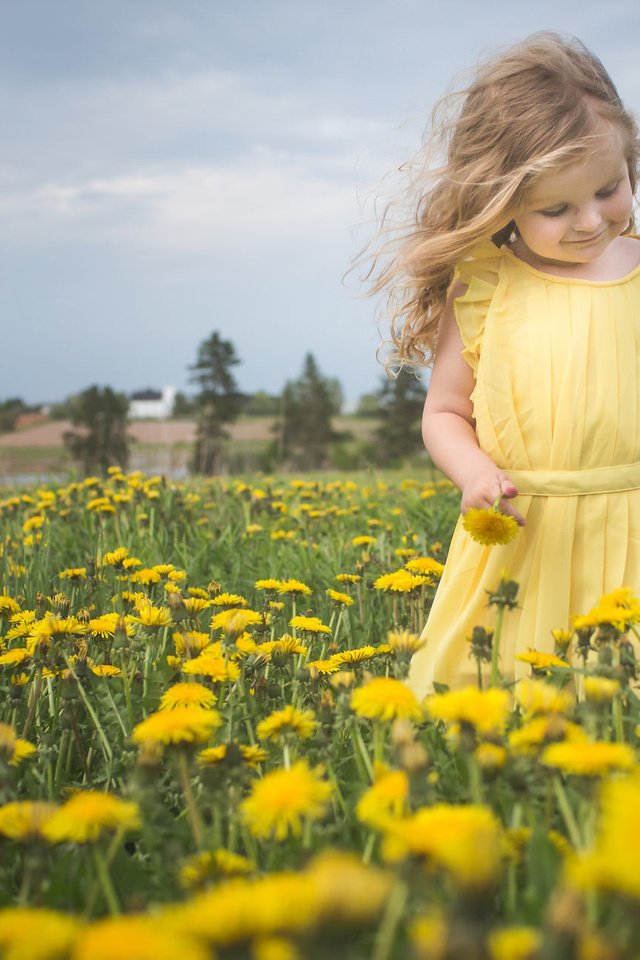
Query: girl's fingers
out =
(511, 511)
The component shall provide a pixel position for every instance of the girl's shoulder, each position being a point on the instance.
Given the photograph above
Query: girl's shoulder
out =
(482, 263)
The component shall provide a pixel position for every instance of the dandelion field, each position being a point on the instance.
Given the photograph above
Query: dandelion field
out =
(207, 748)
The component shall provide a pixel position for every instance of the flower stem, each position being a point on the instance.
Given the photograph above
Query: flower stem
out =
(495, 648)
(105, 882)
(189, 799)
(390, 920)
(567, 813)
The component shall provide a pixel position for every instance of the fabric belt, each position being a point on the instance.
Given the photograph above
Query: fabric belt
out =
(576, 483)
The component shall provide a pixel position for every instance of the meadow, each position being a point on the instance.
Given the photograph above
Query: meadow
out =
(207, 748)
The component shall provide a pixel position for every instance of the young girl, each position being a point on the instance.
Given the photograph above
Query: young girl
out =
(534, 399)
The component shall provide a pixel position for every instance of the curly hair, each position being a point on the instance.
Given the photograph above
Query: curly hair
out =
(536, 107)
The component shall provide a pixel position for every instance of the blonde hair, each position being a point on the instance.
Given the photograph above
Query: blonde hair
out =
(536, 107)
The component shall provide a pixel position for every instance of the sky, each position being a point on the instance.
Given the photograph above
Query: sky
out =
(171, 168)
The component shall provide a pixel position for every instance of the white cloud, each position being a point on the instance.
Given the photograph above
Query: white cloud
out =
(269, 196)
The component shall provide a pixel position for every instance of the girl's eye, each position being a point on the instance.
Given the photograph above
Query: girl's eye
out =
(557, 212)
(609, 192)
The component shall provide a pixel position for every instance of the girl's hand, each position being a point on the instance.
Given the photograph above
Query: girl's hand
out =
(485, 489)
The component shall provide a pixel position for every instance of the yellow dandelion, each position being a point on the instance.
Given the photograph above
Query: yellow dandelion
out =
(87, 814)
(181, 725)
(136, 938)
(281, 801)
(348, 578)
(24, 819)
(216, 669)
(253, 755)
(425, 566)
(52, 628)
(294, 588)
(151, 616)
(8, 605)
(192, 642)
(73, 573)
(514, 943)
(334, 872)
(486, 711)
(104, 627)
(342, 599)
(490, 527)
(13, 749)
(201, 867)
(54, 940)
(540, 731)
(289, 720)
(490, 756)
(600, 689)
(400, 581)
(402, 642)
(211, 755)
(589, 758)
(185, 695)
(355, 655)
(236, 620)
(269, 585)
(229, 600)
(536, 696)
(309, 625)
(21, 625)
(106, 670)
(428, 934)
(466, 841)
(612, 863)
(384, 698)
(363, 541)
(286, 645)
(387, 797)
(542, 661)
(195, 605)
(15, 656)
(322, 667)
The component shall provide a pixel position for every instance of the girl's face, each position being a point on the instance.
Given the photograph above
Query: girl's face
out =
(570, 216)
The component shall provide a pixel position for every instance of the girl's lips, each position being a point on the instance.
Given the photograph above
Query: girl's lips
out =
(590, 239)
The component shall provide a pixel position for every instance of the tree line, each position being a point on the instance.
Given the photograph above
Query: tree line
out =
(305, 434)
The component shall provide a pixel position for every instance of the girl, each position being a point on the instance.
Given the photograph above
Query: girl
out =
(534, 399)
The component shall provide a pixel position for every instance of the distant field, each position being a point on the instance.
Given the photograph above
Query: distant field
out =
(157, 445)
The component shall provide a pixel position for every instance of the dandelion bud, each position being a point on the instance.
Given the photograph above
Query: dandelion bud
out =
(505, 595)
(120, 640)
(41, 605)
(414, 757)
(402, 733)
(213, 588)
(7, 742)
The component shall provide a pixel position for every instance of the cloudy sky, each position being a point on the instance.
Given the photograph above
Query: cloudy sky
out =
(174, 167)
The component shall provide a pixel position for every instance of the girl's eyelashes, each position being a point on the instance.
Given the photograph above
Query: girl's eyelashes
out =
(557, 212)
(608, 191)
(601, 195)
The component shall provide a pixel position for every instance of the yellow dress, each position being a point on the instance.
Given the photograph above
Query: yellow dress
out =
(557, 404)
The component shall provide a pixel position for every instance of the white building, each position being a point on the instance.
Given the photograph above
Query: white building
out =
(152, 404)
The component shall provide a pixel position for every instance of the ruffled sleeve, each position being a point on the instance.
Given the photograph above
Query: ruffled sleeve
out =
(480, 273)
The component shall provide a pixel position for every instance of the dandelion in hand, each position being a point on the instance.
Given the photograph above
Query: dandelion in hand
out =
(490, 527)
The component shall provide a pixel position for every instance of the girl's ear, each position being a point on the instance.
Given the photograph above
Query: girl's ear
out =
(507, 234)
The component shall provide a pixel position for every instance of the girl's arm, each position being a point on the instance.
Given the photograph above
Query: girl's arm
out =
(448, 427)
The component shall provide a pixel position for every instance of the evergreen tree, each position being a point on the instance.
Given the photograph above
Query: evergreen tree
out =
(101, 441)
(400, 403)
(304, 427)
(218, 401)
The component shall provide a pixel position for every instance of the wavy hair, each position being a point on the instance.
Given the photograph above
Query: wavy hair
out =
(536, 107)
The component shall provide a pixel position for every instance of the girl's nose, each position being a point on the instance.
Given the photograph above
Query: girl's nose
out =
(587, 220)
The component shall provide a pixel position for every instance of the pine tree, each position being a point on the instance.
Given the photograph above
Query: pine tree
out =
(401, 400)
(304, 427)
(102, 440)
(218, 401)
